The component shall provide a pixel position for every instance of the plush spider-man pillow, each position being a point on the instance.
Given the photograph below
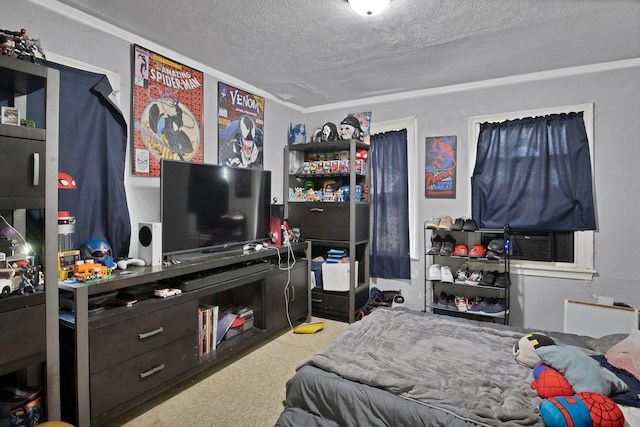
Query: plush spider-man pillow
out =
(550, 383)
(581, 410)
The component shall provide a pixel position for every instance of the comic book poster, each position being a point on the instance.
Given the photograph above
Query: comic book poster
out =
(365, 125)
(167, 112)
(240, 127)
(440, 167)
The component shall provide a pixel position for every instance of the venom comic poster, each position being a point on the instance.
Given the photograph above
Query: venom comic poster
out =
(240, 127)
(167, 112)
(440, 167)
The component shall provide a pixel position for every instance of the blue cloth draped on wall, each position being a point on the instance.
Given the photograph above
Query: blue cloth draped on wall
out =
(534, 173)
(92, 150)
(389, 254)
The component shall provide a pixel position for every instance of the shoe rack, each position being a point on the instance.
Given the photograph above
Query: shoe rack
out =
(466, 269)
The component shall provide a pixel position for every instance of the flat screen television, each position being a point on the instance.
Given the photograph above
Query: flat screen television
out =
(206, 207)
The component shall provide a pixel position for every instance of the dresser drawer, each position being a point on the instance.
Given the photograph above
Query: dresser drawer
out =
(123, 382)
(328, 221)
(23, 333)
(337, 302)
(122, 341)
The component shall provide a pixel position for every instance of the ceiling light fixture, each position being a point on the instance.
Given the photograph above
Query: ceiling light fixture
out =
(369, 7)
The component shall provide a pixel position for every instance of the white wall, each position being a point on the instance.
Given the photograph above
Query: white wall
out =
(537, 302)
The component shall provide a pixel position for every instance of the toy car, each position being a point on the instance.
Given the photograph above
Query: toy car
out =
(166, 292)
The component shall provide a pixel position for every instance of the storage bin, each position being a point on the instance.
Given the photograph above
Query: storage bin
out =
(316, 268)
(335, 277)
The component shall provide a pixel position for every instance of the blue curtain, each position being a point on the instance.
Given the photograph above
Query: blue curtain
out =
(534, 173)
(92, 150)
(389, 254)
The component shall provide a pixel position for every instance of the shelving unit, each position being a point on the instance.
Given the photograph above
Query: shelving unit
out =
(28, 181)
(332, 224)
(116, 358)
(433, 288)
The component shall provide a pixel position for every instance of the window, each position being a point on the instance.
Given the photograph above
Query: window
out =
(411, 125)
(582, 265)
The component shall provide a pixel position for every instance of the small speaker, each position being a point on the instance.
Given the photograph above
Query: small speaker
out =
(150, 242)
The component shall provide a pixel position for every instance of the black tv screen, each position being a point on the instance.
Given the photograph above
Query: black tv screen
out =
(206, 207)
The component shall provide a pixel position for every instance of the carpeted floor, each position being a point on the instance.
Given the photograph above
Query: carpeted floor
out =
(246, 393)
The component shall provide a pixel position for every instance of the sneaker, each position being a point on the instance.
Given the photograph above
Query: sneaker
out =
(448, 245)
(462, 274)
(477, 251)
(461, 303)
(489, 278)
(451, 303)
(497, 308)
(436, 245)
(433, 224)
(461, 250)
(445, 273)
(472, 302)
(475, 277)
(457, 224)
(445, 223)
(501, 280)
(434, 272)
(484, 303)
(469, 225)
(443, 300)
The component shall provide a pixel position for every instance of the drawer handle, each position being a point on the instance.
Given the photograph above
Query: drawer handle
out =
(36, 169)
(316, 210)
(150, 333)
(316, 300)
(151, 371)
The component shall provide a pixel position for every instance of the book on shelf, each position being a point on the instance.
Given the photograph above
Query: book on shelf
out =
(224, 323)
(208, 324)
(200, 332)
(214, 327)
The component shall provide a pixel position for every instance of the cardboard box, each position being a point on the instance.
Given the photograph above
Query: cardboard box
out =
(335, 277)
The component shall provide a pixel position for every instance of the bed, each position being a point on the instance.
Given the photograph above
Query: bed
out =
(397, 367)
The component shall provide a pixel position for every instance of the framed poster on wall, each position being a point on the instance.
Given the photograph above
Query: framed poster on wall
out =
(440, 167)
(240, 127)
(167, 112)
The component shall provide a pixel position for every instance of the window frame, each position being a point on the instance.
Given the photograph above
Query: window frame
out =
(583, 266)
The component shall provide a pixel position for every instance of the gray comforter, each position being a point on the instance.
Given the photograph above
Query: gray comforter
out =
(463, 368)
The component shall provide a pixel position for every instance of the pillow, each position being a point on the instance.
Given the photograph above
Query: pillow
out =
(626, 355)
(523, 350)
(580, 370)
(603, 344)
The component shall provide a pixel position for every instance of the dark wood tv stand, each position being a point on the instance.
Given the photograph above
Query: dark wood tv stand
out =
(118, 357)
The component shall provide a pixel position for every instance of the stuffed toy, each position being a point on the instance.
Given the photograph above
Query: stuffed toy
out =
(581, 410)
(524, 349)
(550, 382)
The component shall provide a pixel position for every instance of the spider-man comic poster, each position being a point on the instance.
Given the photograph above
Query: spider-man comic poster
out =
(240, 127)
(167, 112)
(440, 167)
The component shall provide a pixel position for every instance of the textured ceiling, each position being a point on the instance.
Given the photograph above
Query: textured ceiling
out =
(316, 52)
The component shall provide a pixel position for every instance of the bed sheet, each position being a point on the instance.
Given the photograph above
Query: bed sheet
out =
(399, 367)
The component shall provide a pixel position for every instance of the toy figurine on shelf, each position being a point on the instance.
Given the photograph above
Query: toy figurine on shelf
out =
(19, 45)
(29, 279)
